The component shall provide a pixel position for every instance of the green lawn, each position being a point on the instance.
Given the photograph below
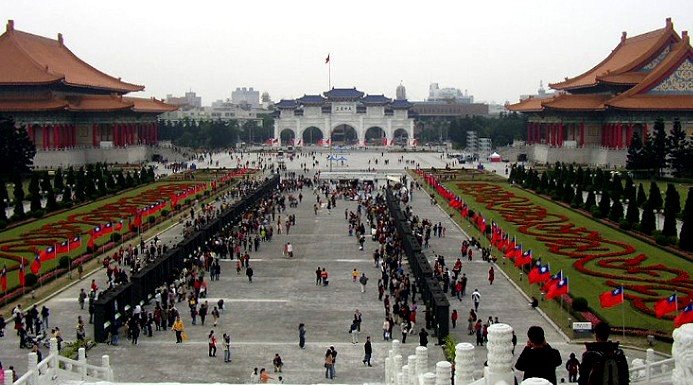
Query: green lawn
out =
(581, 285)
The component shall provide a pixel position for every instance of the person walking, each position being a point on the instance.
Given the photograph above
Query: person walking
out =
(212, 342)
(278, 363)
(538, 359)
(423, 337)
(572, 366)
(404, 326)
(81, 298)
(600, 355)
(476, 298)
(302, 336)
(453, 318)
(363, 281)
(329, 364)
(249, 272)
(333, 351)
(226, 343)
(318, 276)
(354, 331)
(491, 275)
(367, 351)
(179, 328)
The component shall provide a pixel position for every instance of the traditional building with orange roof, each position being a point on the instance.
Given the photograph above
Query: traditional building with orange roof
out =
(68, 105)
(592, 117)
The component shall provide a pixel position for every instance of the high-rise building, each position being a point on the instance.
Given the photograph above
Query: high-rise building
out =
(448, 94)
(190, 100)
(246, 96)
(401, 92)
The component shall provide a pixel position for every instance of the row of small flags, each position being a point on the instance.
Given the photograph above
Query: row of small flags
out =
(553, 285)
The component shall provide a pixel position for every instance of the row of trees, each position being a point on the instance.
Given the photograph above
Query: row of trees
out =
(502, 130)
(566, 183)
(74, 186)
(654, 154)
(215, 134)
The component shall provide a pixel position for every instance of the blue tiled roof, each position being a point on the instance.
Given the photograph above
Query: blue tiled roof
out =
(286, 103)
(400, 104)
(311, 99)
(344, 93)
(375, 99)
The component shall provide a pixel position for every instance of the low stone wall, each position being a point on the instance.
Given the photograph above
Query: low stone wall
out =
(540, 153)
(82, 156)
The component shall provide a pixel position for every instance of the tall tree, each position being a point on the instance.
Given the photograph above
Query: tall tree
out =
(686, 235)
(604, 204)
(672, 206)
(4, 200)
(80, 185)
(16, 150)
(51, 203)
(58, 182)
(648, 154)
(641, 198)
(659, 139)
(577, 199)
(616, 187)
(616, 211)
(18, 193)
(34, 191)
(679, 152)
(591, 201)
(655, 196)
(629, 187)
(632, 213)
(647, 223)
(634, 158)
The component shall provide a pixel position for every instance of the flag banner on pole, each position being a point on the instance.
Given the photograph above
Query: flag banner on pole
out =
(327, 59)
(107, 228)
(611, 298)
(3, 278)
(558, 289)
(49, 253)
(21, 273)
(75, 243)
(119, 225)
(666, 305)
(685, 317)
(539, 274)
(36, 265)
(552, 281)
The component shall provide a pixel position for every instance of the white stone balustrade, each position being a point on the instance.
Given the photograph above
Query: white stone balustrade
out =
(500, 356)
(682, 352)
(464, 363)
(443, 373)
(535, 381)
(411, 363)
(421, 360)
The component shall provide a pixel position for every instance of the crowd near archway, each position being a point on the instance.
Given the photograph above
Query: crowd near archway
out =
(287, 137)
(400, 137)
(344, 134)
(311, 136)
(375, 136)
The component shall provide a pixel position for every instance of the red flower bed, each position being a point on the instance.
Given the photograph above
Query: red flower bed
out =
(618, 263)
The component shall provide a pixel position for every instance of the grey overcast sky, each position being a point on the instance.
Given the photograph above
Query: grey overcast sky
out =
(495, 49)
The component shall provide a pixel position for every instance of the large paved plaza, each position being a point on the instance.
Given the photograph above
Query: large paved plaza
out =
(262, 317)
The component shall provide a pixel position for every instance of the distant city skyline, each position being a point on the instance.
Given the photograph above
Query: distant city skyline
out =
(495, 50)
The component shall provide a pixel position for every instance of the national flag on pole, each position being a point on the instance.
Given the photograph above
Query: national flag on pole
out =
(539, 274)
(553, 280)
(21, 273)
(3, 278)
(63, 247)
(90, 242)
(558, 289)
(327, 59)
(611, 298)
(75, 243)
(49, 253)
(119, 225)
(36, 265)
(523, 259)
(96, 232)
(686, 316)
(108, 228)
(666, 305)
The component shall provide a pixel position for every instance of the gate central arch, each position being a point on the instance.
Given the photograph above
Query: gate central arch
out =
(312, 136)
(344, 134)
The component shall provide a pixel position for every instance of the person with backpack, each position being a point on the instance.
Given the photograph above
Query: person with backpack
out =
(538, 359)
(363, 281)
(572, 366)
(603, 362)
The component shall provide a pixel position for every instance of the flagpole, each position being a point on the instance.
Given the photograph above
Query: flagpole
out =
(623, 313)
(329, 72)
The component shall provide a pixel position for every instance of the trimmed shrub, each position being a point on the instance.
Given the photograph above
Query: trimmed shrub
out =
(164, 213)
(116, 237)
(31, 279)
(151, 219)
(580, 304)
(38, 213)
(64, 262)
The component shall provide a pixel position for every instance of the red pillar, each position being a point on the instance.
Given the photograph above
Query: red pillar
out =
(560, 134)
(116, 134)
(619, 132)
(629, 134)
(30, 132)
(582, 134)
(156, 133)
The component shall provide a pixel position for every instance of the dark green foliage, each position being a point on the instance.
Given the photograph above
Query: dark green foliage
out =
(58, 182)
(635, 156)
(568, 193)
(34, 192)
(591, 201)
(16, 150)
(659, 146)
(580, 304)
(212, 134)
(80, 185)
(616, 187)
(122, 183)
(18, 193)
(686, 235)
(616, 211)
(599, 180)
(90, 182)
(51, 203)
(629, 188)
(67, 195)
(129, 180)
(680, 152)
(30, 279)
(64, 262)
(647, 222)
(4, 201)
(502, 130)
(655, 196)
(70, 179)
(577, 199)
(604, 203)
(672, 206)
(632, 212)
(641, 198)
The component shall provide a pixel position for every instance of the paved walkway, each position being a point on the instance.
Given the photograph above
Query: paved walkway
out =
(262, 318)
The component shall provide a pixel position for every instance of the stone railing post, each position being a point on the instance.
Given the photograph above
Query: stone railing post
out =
(396, 368)
(500, 357)
(443, 373)
(429, 378)
(8, 378)
(535, 381)
(681, 352)
(411, 363)
(464, 363)
(388, 368)
(82, 358)
(32, 367)
(106, 364)
(54, 353)
(405, 375)
(650, 357)
(396, 346)
(421, 360)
